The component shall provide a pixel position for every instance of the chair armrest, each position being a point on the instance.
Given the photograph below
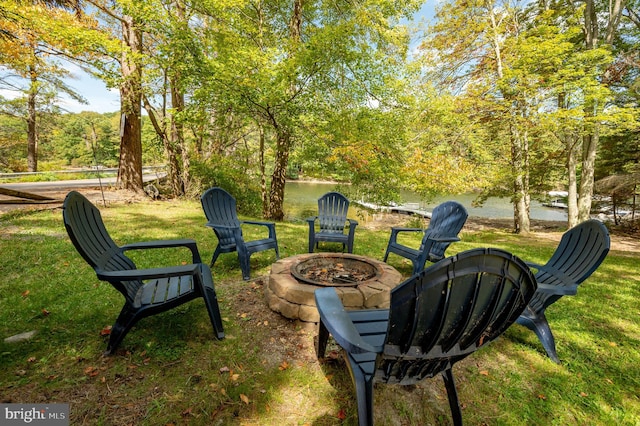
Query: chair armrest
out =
(443, 238)
(271, 226)
(145, 274)
(215, 225)
(339, 324)
(533, 265)
(558, 290)
(255, 222)
(188, 243)
(396, 231)
(311, 219)
(352, 222)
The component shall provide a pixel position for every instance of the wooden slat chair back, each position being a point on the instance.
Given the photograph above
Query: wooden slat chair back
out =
(436, 318)
(220, 209)
(581, 251)
(447, 220)
(331, 222)
(146, 291)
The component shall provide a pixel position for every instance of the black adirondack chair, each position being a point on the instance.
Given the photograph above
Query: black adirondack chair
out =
(447, 219)
(436, 318)
(581, 250)
(220, 209)
(332, 222)
(146, 291)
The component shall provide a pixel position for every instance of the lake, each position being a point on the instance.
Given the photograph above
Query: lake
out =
(301, 201)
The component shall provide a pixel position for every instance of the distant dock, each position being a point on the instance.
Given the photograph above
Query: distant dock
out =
(409, 209)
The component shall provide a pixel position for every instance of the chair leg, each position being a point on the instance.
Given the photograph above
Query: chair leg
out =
(211, 302)
(126, 320)
(452, 393)
(364, 396)
(539, 325)
(216, 253)
(323, 338)
(245, 265)
(312, 241)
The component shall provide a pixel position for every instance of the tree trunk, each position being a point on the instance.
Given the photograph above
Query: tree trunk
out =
(590, 141)
(283, 135)
(32, 132)
(572, 200)
(589, 151)
(130, 165)
(520, 169)
(263, 175)
(177, 137)
(278, 178)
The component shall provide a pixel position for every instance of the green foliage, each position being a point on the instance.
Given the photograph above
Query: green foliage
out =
(231, 176)
(13, 144)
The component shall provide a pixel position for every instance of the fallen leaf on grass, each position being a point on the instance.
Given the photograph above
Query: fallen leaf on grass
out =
(613, 344)
(45, 313)
(333, 355)
(234, 377)
(244, 398)
(25, 293)
(224, 370)
(484, 372)
(187, 412)
(582, 394)
(31, 359)
(283, 366)
(105, 331)
(342, 415)
(91, 371)
(542, 397)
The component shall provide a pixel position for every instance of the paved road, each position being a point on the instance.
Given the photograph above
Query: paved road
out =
(65, 185)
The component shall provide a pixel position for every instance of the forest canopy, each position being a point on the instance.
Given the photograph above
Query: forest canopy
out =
(494, 97)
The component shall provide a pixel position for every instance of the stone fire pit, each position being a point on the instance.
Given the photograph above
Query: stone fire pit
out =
(361, 282)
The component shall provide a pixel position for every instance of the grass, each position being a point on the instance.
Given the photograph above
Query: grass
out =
(170, 369)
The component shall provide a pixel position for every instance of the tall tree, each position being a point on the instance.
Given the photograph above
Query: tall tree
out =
(289, 60)
(36, 37)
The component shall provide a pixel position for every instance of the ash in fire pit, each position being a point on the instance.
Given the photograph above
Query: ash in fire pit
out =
(360, 282)
(334, 270)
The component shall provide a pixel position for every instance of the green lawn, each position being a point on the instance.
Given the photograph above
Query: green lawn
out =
(170, 369)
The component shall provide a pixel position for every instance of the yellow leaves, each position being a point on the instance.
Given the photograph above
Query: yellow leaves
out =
(244, 398)
(284, 365)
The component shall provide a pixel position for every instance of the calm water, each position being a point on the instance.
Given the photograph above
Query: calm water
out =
(301, 200)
